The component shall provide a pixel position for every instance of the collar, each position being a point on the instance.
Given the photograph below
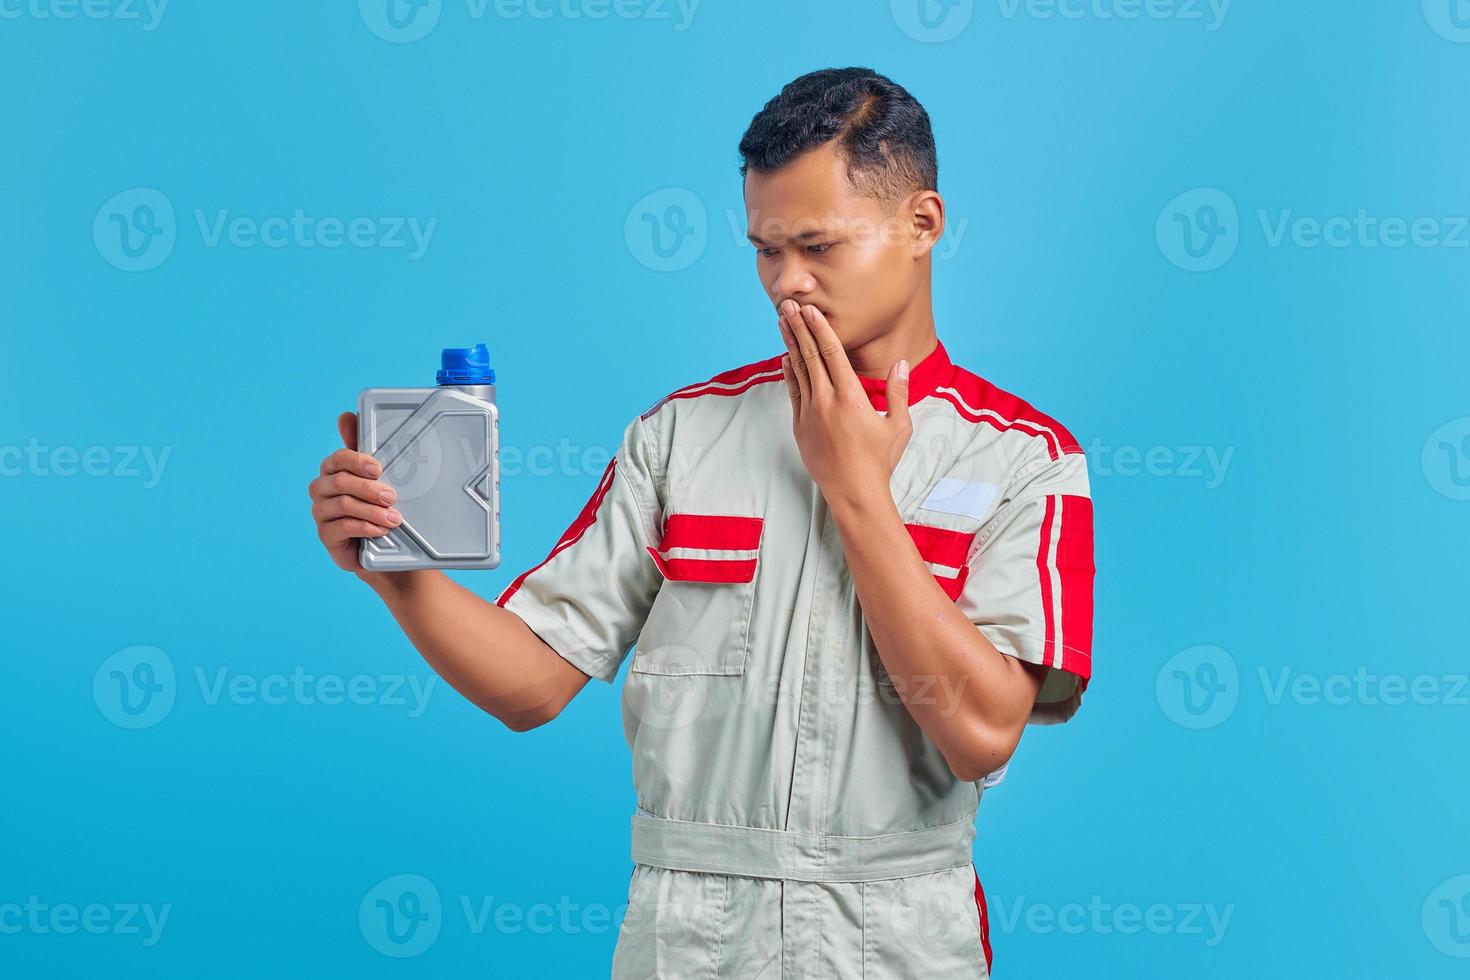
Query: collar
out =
(934, 370)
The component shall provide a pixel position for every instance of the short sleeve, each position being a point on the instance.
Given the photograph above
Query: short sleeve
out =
(590, 596)
(1028, 584)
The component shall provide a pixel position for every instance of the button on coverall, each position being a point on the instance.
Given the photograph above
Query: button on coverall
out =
(792, 819)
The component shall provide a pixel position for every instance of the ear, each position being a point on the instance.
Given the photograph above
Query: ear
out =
(928, 221)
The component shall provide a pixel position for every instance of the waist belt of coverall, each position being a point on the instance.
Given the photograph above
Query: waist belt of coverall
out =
(685, 845)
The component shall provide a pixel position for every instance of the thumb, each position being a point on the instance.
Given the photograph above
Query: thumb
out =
(347, 429)
(896, 390)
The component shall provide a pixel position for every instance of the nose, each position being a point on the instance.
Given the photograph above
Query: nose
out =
(792, 281)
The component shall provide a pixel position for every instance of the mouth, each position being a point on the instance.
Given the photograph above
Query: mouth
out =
(820, 309)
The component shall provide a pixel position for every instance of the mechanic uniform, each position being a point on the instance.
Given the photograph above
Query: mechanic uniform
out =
(792, 820)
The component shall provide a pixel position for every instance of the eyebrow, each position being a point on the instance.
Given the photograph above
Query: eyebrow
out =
(805, 236)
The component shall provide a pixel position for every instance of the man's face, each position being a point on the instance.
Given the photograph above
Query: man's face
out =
(818, 242)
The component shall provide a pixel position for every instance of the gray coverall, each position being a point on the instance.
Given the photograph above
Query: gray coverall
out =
(792, 819)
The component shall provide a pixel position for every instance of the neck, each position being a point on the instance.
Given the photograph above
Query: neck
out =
(912, 338)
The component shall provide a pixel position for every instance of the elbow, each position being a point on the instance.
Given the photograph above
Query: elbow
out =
(531, 708)
(982, 757)
(528, 718)
(535, 704)
(526, 722)
(968, 772)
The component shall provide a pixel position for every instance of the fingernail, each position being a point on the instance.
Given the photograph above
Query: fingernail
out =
(387, 496)
(394, 517)
(903, 370)
(372, 470)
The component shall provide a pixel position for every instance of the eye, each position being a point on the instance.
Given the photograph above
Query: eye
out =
(820, 249)
(767, 252)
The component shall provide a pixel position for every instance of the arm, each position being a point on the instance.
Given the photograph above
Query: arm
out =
(485, 652)
(968, 697)
(926, 643)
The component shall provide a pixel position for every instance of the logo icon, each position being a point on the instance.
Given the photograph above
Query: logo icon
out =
(400, 21)
(1446, 917)
(1446, 459)
(932, 21)
(930, 918)
(1449, 18)
(669, 699)
(135, 687)
(1199, 230)
(401, 916)
(135, 230)
(667, 230)
(1198, 687)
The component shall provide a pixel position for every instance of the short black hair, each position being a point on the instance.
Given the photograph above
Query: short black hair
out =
(882, 130)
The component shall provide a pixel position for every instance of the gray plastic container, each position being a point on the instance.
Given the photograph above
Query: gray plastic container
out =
(440, 450)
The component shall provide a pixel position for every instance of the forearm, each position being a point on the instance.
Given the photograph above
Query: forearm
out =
(483, 651)
(960, 690)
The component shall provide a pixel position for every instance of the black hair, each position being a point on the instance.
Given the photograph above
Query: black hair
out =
(881, 129)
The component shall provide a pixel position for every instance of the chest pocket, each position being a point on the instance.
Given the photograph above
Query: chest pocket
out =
(700, 620)
(945, 551)
(944, 526)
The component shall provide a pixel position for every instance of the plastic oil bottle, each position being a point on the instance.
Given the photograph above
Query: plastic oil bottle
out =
(440, 450)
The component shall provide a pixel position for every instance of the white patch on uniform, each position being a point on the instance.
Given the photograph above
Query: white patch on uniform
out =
(963, 498)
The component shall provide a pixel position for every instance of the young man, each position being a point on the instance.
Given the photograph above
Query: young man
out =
(854, 571)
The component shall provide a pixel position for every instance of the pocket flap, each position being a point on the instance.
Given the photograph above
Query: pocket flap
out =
(945, 552)
(709, 547)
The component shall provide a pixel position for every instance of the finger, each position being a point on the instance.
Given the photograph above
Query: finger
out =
(347, 429)
(342, 483)
(795, 361)
(335, 508)
(839, 368)
(352, 461)
(791, 388)
(897, 392)
(816, 366)
(339, 531)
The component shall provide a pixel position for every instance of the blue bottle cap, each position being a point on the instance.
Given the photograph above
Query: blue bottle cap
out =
(466, 366)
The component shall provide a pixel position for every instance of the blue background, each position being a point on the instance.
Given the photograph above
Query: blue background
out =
(1334, 541)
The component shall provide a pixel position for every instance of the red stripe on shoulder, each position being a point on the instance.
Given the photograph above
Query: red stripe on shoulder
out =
(982, 402)
(1076, 570)
(732, 382)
